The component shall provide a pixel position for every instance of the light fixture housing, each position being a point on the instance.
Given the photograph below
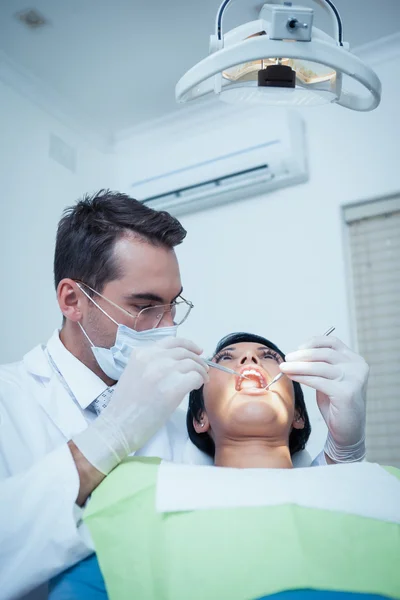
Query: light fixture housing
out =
(281, 59)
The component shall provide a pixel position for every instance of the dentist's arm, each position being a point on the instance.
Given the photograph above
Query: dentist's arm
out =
(41, 531)
(153, 384)
(340, 378)
(89, 476)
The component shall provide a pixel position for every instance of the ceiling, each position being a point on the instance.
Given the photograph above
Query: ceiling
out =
(115, 63)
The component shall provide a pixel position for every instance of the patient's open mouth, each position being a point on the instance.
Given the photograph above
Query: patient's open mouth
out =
(255, 379)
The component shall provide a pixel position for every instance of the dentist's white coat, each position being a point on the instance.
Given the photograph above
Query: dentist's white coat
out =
(41, 532)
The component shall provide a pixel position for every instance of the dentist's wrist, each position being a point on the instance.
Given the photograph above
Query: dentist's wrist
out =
(102, 444)
(89, 476)
(344, 454)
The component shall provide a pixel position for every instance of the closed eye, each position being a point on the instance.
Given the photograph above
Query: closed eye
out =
(223, 356)
(270, 354)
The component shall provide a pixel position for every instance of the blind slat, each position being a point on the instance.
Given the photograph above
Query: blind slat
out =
(377, 248)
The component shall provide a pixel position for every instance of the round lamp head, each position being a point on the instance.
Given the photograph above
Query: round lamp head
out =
(254, 63)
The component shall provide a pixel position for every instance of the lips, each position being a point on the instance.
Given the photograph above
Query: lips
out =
(254, 379)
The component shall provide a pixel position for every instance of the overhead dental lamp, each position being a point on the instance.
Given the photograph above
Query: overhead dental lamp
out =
(281, 59)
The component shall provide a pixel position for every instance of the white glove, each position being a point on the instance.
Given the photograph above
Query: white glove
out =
(153, 384)
(340, 377)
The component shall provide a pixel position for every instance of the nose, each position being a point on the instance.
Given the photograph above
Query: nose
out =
(248, 358)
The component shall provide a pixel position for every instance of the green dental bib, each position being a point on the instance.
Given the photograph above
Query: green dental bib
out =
(235, 553)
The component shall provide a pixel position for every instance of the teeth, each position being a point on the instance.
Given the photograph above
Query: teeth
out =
(252, 372)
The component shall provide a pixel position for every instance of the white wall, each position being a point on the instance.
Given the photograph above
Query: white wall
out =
(275, 265)
(34, 191)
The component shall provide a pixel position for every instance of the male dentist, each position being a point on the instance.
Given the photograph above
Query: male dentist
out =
(65, 423)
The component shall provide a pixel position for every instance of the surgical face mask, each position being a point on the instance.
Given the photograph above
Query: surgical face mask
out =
(113, 361)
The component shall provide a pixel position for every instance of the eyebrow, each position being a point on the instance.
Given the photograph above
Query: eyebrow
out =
(150, 297)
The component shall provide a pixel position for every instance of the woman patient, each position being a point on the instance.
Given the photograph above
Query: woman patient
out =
(240, 424)
(236, 420)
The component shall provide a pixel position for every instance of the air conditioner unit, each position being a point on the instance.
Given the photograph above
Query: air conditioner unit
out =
(234, 162)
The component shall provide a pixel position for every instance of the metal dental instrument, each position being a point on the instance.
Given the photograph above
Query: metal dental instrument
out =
(275, 379)
(225, 369)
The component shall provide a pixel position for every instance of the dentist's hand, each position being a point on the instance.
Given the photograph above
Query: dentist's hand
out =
(153, 384)
(339, 377)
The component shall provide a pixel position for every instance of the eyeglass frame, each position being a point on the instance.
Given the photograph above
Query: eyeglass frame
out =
(163, 306)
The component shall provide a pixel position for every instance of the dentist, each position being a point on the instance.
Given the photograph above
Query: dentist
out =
(65, 423)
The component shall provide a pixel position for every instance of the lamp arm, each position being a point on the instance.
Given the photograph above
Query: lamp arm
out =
(327, 4)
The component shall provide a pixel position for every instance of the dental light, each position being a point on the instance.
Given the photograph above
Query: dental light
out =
(281, 59)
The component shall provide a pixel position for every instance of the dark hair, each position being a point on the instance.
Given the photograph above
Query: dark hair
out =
(87, 233)
(298, 437)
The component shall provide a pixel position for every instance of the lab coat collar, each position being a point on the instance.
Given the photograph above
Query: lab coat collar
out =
(50, 395)
(85, 385)
(37, 364)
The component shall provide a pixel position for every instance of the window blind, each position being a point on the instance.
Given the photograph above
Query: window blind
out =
(374, 241)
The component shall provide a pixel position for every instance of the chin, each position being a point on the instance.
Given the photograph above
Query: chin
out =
(259, 409)
(255, 410)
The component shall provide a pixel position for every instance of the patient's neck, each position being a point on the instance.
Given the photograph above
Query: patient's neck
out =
(256, 454)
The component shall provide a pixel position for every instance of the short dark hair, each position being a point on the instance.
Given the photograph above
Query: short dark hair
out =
(297, 438)
(87, 233)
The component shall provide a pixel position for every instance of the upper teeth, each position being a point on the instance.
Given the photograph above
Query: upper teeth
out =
(252, 372)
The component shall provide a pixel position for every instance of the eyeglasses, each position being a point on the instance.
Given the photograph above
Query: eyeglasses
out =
(151, 316)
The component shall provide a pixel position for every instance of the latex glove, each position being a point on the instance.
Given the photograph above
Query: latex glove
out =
(153, 384)
(340, 377)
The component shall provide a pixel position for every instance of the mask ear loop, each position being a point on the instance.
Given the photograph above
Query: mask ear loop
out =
(104, 298)
(99, 307)
(86, 335)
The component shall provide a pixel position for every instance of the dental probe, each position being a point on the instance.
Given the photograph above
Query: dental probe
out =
(275, 379)
(225, 369)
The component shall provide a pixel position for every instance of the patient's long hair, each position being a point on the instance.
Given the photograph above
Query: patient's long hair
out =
(298, 437)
